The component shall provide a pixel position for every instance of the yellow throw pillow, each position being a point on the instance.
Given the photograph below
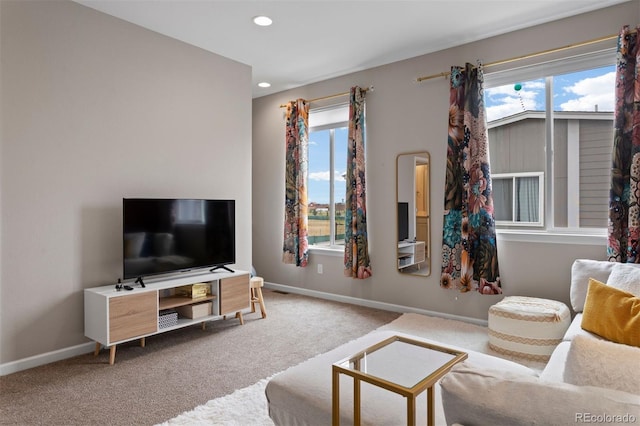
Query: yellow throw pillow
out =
(611, 313)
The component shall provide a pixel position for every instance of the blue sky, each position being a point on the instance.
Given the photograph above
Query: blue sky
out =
(319, 165)
(580, 91)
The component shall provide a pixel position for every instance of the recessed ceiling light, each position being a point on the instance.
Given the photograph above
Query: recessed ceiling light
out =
(264, 84)
(263, 21)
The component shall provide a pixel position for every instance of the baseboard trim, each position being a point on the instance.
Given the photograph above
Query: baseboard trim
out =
(371, 303)
(46, 358)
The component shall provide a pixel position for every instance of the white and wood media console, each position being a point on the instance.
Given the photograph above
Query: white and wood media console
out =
(411, 253)
(112, 317)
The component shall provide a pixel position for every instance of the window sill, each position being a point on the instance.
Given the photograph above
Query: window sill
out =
(327, 251)
(596, 237)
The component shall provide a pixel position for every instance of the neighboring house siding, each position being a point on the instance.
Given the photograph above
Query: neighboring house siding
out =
(517, 147)
(595, 170)
(560, 173)
(582, 161)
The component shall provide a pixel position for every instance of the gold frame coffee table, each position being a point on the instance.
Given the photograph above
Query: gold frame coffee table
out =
(398, 364)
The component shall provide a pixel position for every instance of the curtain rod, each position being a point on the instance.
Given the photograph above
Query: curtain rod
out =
(337, 95)
(531, 55)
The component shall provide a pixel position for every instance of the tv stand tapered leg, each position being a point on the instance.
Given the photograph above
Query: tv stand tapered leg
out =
(112, 354)
(112, 350)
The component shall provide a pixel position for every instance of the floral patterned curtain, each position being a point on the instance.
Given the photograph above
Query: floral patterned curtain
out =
(296, 244)
(356, 250)
(624, 212)
(469, 252)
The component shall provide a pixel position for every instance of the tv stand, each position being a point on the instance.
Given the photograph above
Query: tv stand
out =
(411, 253)
(139, 280)
(112, 317)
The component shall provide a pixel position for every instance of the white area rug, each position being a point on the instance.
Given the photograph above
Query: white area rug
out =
(248, 406)
(244, 407)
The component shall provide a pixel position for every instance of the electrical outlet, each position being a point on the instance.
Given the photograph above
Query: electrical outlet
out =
(319, 268)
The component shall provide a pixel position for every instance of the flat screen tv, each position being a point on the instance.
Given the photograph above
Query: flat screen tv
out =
(403, 221)
(162, 236)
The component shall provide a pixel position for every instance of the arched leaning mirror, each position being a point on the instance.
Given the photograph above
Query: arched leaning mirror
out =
(413, 221)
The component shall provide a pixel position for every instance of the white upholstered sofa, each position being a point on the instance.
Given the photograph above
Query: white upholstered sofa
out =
(487, 390)
(588, 379)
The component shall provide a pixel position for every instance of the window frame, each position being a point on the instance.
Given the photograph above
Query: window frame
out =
(548, 232)
(541, 197)
(329, 118)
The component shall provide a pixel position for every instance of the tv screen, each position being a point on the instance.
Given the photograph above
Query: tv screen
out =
(176, 235)
(403, 221)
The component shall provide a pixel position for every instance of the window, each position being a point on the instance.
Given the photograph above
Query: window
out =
(328, 133)
(190, 211)
(517, 198)
(562, 107)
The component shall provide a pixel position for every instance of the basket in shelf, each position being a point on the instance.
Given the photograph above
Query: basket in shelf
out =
(167, 318)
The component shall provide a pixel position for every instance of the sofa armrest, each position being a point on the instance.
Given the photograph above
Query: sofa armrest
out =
(481, 397)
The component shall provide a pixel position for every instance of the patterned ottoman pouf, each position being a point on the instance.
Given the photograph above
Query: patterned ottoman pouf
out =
(527, 327)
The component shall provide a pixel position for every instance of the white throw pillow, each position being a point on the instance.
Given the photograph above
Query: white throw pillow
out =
(597, 362)
(625, 277)
(581, 271)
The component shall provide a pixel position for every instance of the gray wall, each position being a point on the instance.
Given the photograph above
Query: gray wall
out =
(404, 116)
(95, 109)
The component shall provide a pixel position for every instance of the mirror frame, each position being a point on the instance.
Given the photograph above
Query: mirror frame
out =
(408, 249)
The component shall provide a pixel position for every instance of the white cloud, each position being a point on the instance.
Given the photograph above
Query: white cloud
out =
(592, 91)
(509, 106)
(325, 176)
(506, 101)
(320, 175)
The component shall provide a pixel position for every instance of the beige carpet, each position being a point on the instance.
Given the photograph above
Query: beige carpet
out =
(248, 406)
(182, 369)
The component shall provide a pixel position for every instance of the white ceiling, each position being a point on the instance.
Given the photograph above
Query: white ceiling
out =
(313, 40)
